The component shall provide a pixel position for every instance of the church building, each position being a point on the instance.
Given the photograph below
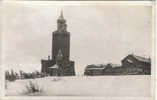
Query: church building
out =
(59, 63)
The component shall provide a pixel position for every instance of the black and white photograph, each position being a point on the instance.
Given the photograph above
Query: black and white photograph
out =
(77, 49)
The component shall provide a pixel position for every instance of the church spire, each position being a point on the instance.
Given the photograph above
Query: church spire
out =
(61, 23)
(61, 15)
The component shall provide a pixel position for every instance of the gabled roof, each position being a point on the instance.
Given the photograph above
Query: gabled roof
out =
(130, 61)
(139, 58)
(142, 59)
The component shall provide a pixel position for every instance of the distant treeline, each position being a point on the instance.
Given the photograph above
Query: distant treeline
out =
(11, 75)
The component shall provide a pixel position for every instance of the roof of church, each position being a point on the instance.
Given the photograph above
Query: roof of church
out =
(54, 67)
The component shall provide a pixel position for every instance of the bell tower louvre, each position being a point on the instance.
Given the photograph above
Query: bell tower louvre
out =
(60, 52)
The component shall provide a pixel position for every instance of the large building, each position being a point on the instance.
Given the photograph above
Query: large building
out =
(60, 64)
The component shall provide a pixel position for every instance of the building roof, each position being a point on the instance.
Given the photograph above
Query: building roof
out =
(142, 59)
(130, 61)
(97, 67)
(54, 67)
(113, 65)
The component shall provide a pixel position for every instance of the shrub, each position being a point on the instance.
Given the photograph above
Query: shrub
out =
(33, 88)
(10, 76)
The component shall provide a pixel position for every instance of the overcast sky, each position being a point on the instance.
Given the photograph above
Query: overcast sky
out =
(99, 33)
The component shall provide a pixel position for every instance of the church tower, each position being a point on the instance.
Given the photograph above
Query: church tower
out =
(60, 52)
(61, 39)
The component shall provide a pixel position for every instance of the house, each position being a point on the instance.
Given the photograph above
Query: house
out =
(93, 70)
(136, 64)
(112, 69)
(131, 65)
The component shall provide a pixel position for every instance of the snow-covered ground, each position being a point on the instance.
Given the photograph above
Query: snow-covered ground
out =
(128, 86)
